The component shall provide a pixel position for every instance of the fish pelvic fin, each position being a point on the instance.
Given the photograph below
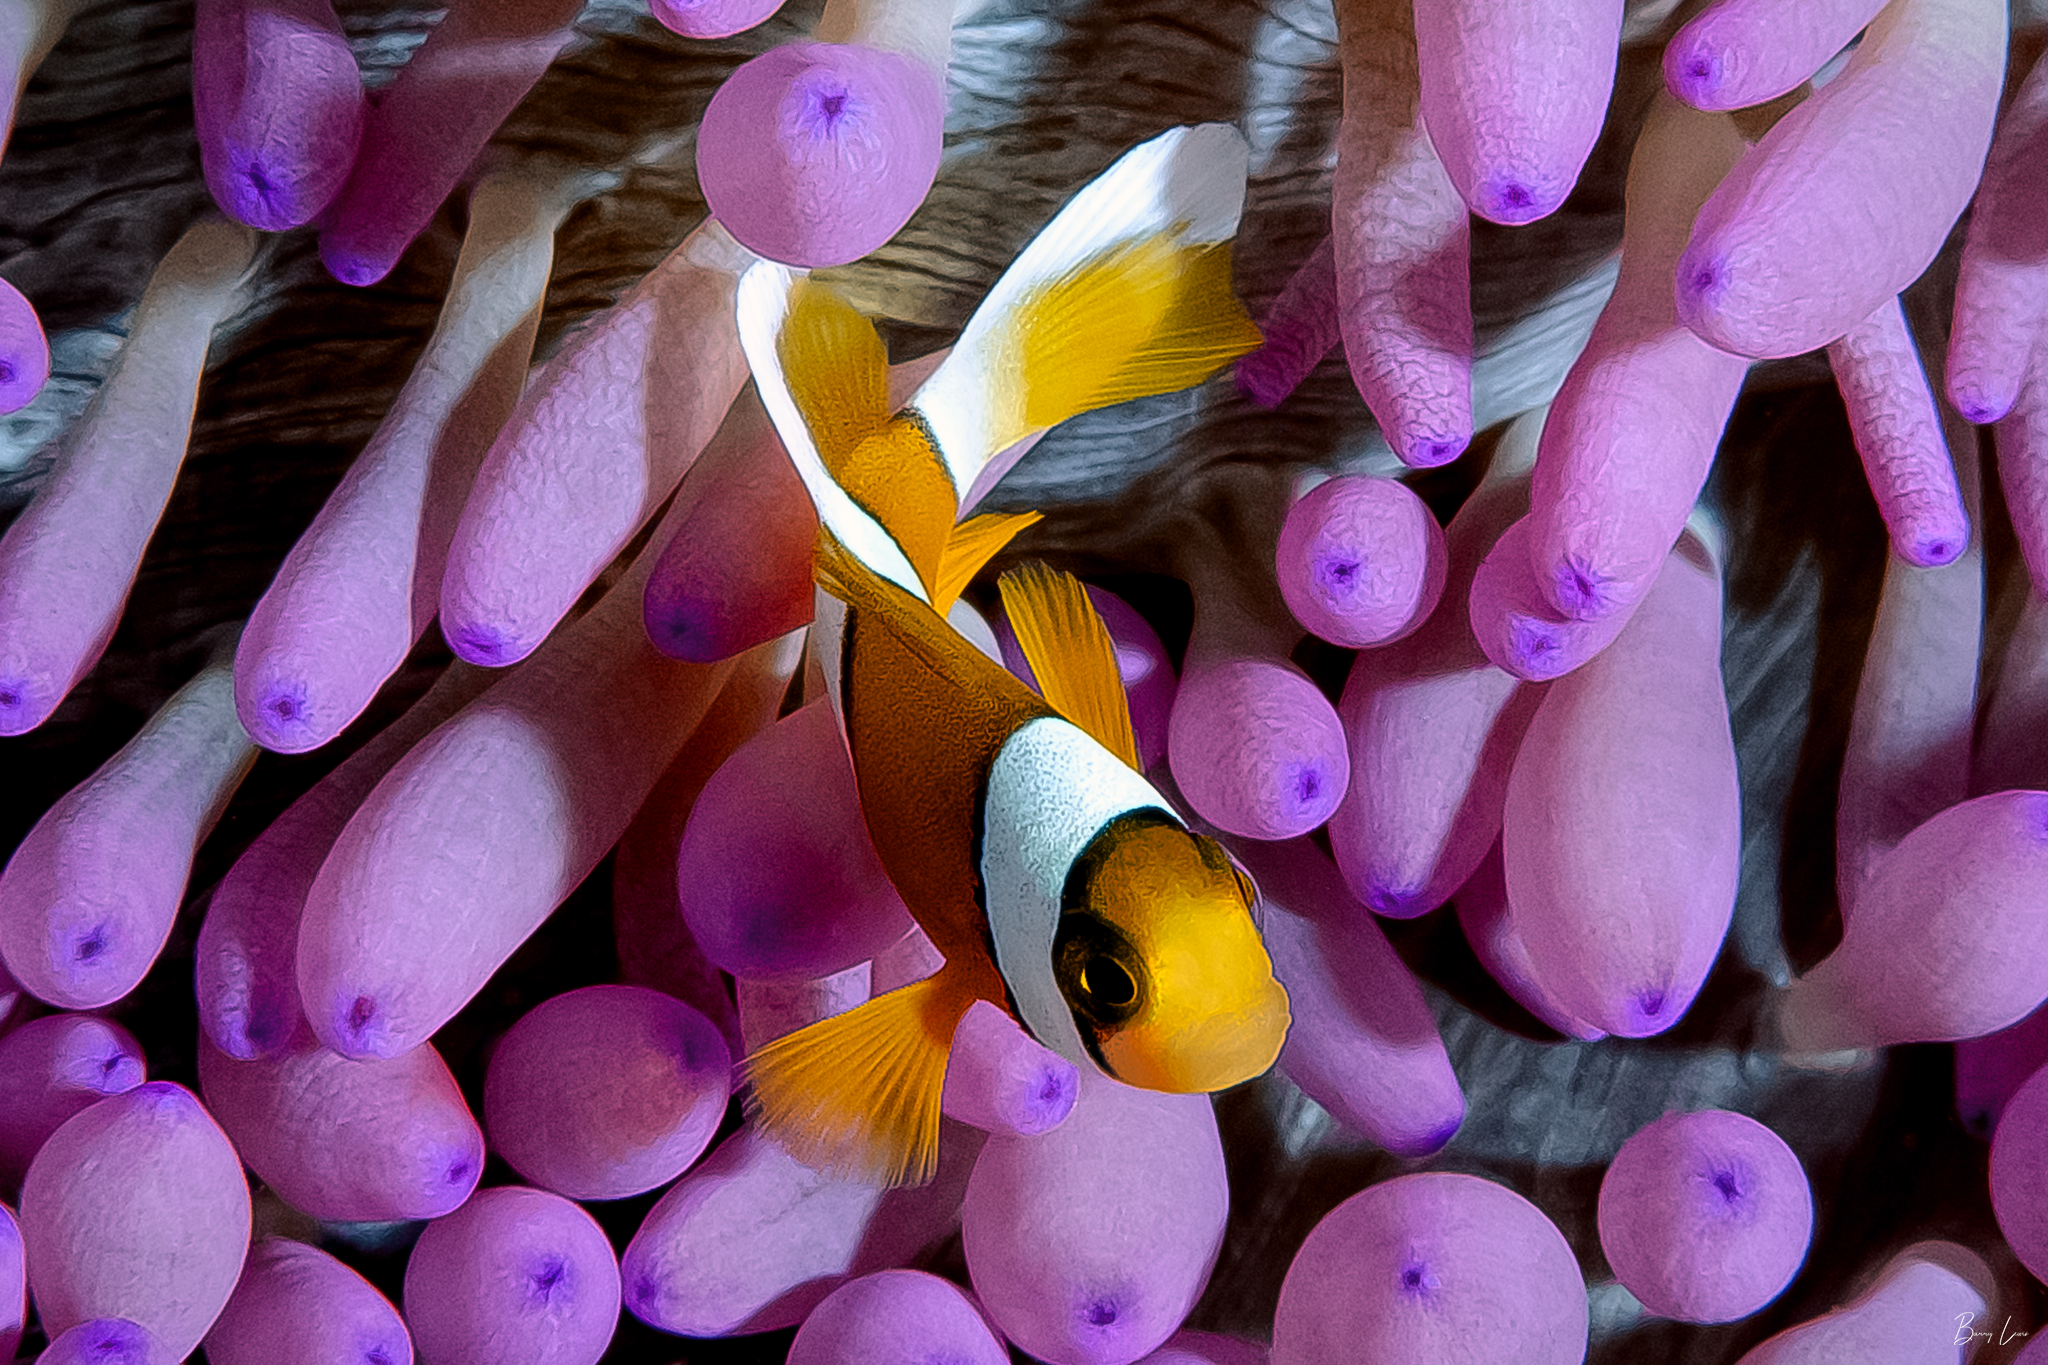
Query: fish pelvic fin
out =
(857, 1095)
(823, 332)
(1071, 654)
(974, 542)
(1125, 293)
(837, 374)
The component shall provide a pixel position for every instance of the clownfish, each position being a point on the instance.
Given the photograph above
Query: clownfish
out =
(1018, 829)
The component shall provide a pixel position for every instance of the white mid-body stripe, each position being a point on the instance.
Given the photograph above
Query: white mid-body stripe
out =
(1050, 791)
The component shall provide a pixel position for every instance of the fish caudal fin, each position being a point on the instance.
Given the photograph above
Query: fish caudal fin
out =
(774, 299)
(1071, 654)
(974, 543)
(858, 1094)
(1148, 318)
(1126, 293)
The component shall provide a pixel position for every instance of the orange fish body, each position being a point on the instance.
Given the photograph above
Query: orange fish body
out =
(1054, 879)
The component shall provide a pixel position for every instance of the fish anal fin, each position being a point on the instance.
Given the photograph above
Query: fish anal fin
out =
(1071, 654)
(1145, 318)
(837, 371)
(857, 1095)
(974, 542)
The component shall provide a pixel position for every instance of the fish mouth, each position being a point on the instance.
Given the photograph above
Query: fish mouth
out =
(1211, 1054)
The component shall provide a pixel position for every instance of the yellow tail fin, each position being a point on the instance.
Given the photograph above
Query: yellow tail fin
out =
(1071, 654)
(858, 1094)
(1145, 318)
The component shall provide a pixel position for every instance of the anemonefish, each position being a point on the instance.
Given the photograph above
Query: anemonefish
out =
(1055, 880)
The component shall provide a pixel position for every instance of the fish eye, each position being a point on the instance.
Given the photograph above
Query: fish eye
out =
(1105, 986)
(1097, 971)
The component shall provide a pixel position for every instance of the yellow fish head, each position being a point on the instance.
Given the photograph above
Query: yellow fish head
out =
(1161, 963)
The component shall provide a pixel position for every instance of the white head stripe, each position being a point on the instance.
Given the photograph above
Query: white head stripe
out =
(1050, 791)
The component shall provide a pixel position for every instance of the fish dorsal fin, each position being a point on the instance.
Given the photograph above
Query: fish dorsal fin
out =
(857, 1095)
(974, 543)
(837, 371)
(1071, 654)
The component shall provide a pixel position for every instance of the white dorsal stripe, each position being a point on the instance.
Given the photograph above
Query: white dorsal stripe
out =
(763, 306)
(1191, 178)
(1051, 790)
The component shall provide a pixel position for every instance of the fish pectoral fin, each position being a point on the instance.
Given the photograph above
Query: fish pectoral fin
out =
(1070, 651)
(837, 371)
(857, 1095)
(974, 542)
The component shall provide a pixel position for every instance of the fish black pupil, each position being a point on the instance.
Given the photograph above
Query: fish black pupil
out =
(1098, 969)
(1107, 984)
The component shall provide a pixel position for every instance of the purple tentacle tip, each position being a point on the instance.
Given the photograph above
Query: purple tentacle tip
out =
(271, 201)
(24, 350)
(1417, 1280)
(1513, 199)
(1584, 593)
(1727, 1188)
(687, 627)
(1702, 280)
(1049, 1104)
(1979, 409)
(1694, 74)
(282, 719)
(712, 18)
(823, 106)
(116, 1072)
(90, 944)
(105, 1341)
(1649, 1010)
(815, 154)
(1101, 1311)
(351, 267)
(1263, 377)
(1935, 551)
(1427, 452)
(1307, 782)
(1396, 902)
(546, 1276)
(363, 1027)
(1537, 646)
(1437, 1140)
(1338, 571)
(22, 707)
(486, 646)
